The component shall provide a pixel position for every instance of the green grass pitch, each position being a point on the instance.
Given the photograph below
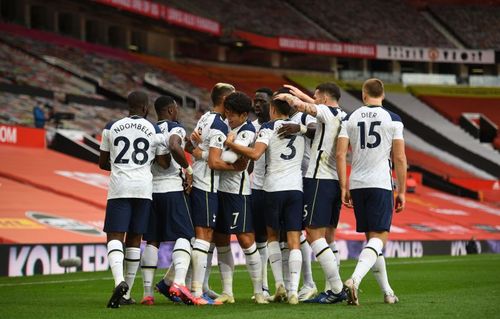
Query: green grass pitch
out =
(430, 287)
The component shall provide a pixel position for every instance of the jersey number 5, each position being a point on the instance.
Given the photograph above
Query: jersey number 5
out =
(137, 150)
(371, 132)
(292, 148)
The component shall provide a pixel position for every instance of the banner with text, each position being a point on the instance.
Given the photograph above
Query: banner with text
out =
(171, 15)
(22, 136)
(421, 54)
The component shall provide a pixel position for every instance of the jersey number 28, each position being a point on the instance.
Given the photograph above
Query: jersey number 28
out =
(140, 145)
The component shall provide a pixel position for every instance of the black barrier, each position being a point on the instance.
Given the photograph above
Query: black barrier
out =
(26, 89)
(28, 260)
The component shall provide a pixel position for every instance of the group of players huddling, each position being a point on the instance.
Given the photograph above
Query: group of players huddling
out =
(277, 183)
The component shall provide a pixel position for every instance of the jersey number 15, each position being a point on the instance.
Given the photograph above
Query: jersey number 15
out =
(371, 132)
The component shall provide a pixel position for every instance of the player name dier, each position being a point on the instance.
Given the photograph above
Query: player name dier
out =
(136, 126)
(368, 114)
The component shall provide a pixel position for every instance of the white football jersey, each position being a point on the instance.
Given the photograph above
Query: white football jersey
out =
(133, 142)
(213, 131)
(170, 179)
(304, 119)
(259, 166)
(238, 182)
(323, 164)
(371, 130)
(283, 158)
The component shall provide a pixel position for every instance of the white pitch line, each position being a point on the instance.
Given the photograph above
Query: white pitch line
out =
(390, 263)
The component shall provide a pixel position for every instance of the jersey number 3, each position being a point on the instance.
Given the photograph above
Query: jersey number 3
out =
(292, 148)
(141, 146)
(371, 132)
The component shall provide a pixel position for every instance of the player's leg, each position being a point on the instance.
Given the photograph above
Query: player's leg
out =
(379, 270)
(253, 263)
(330, 239)
(204, 206)
(285, 257)
(149, 262)
(373, 210)
(207, 291)
(118, 215)
(259, 224)
(292, 221)
(308, 289)
(225, 261)
(141, 210)
(273, 207)
(179, 227)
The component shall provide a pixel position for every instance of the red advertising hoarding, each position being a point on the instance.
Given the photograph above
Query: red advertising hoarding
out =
(22, 136)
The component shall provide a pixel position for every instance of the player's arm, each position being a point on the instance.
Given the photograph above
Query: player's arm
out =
(341, 157)
(215, 161)
(253, 153)
(295, 128)
(298, 104)
(104, 162)
(400, 167)
(174, 143)
(298, 93)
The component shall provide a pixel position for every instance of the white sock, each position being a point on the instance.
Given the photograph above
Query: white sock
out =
(367, 259)
(305, 249)
(333, 247)
(295, 263)
(206, 286)
(199, 259)
(254, 267)
(226, 267)
(262, 247)
(189, 275)
(132, 261)
(181, 257)
(326, 259)
(276, 262)
(285, 257)
(115, 260)
(169, 276)
(149, 260)
(380, 272)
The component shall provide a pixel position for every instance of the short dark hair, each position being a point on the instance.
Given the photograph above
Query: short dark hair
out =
(267, 91)
(137, 100)
(219, 91)
(282, 106)
(238, 102)
(163, 102)
(373, 88)
(331, 89)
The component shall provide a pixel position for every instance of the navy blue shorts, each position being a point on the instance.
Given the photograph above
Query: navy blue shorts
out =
(373, 209)
(235, 214)
(204, 207)
(170, 218)
(124, 215)
(321, 202)
(284, 210)
(259, 215)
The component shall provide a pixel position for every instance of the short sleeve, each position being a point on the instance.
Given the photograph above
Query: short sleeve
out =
(397, 133)
(179, 131)
(217, 139)
(310, 120)
(105, 142)
(343, 129)
(161, 144)
(264, 136)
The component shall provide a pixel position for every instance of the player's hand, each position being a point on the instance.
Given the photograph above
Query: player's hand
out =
(293, 101)
(197, 153)
(298, 93)
(241, 164)
(288, 129)
(196, 137)
(230, 139)
(400, 203)
(188, 183)
(346, 198)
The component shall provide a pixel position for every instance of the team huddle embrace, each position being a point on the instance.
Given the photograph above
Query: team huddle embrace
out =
(277, 183)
